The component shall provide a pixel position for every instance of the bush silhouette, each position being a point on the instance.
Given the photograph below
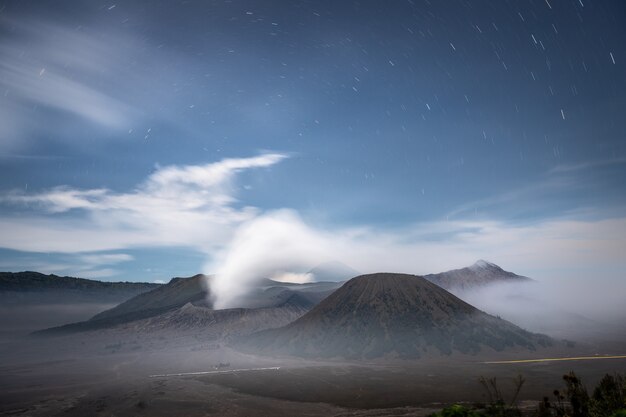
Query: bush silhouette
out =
(458, 410)
(608, 400)
(609, 396)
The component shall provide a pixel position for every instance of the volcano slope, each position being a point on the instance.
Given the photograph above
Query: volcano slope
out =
(184, 303)
(391, 316)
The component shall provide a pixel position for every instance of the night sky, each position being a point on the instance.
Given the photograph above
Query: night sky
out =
(144, 140)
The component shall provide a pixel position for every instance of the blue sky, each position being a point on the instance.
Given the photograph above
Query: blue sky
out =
(143, 141)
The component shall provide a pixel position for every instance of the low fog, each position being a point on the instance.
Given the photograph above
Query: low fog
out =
(559, 308)
(21, 319)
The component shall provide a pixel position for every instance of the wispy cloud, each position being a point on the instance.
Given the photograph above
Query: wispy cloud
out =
(172, 188)
(517, 200)
(568, 168)
(106, 258)
(560, 191)
(187, 206)
(95, 265)
(51, 66)
(59, 80)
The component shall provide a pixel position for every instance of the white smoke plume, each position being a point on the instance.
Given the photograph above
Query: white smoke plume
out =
(267, 246)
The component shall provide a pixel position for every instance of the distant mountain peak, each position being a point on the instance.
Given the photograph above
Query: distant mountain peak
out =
(482, 264)
(333, 271)
(195, 277)
(480, 274)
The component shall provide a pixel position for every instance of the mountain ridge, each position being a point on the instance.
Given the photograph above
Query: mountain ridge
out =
(37, 281)
(181, 291)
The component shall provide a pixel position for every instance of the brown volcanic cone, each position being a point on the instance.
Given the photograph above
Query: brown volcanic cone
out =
(393, 315)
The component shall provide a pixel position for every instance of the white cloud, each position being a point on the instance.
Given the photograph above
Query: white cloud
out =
(567, 168)
(188, 206)
(51, 66)
(517, 200)
(293, 277)
(210, 175)
(83, 266)
(53, 89)
(106, 258)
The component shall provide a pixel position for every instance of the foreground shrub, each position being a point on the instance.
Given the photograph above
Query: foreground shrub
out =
(608, 400)
(458, 410)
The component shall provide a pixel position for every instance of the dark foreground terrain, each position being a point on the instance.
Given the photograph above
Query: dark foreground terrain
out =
(108, 373)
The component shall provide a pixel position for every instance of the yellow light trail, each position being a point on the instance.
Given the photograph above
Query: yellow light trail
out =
(576, 358)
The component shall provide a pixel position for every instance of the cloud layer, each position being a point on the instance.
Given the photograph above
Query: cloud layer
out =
(187, 206)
